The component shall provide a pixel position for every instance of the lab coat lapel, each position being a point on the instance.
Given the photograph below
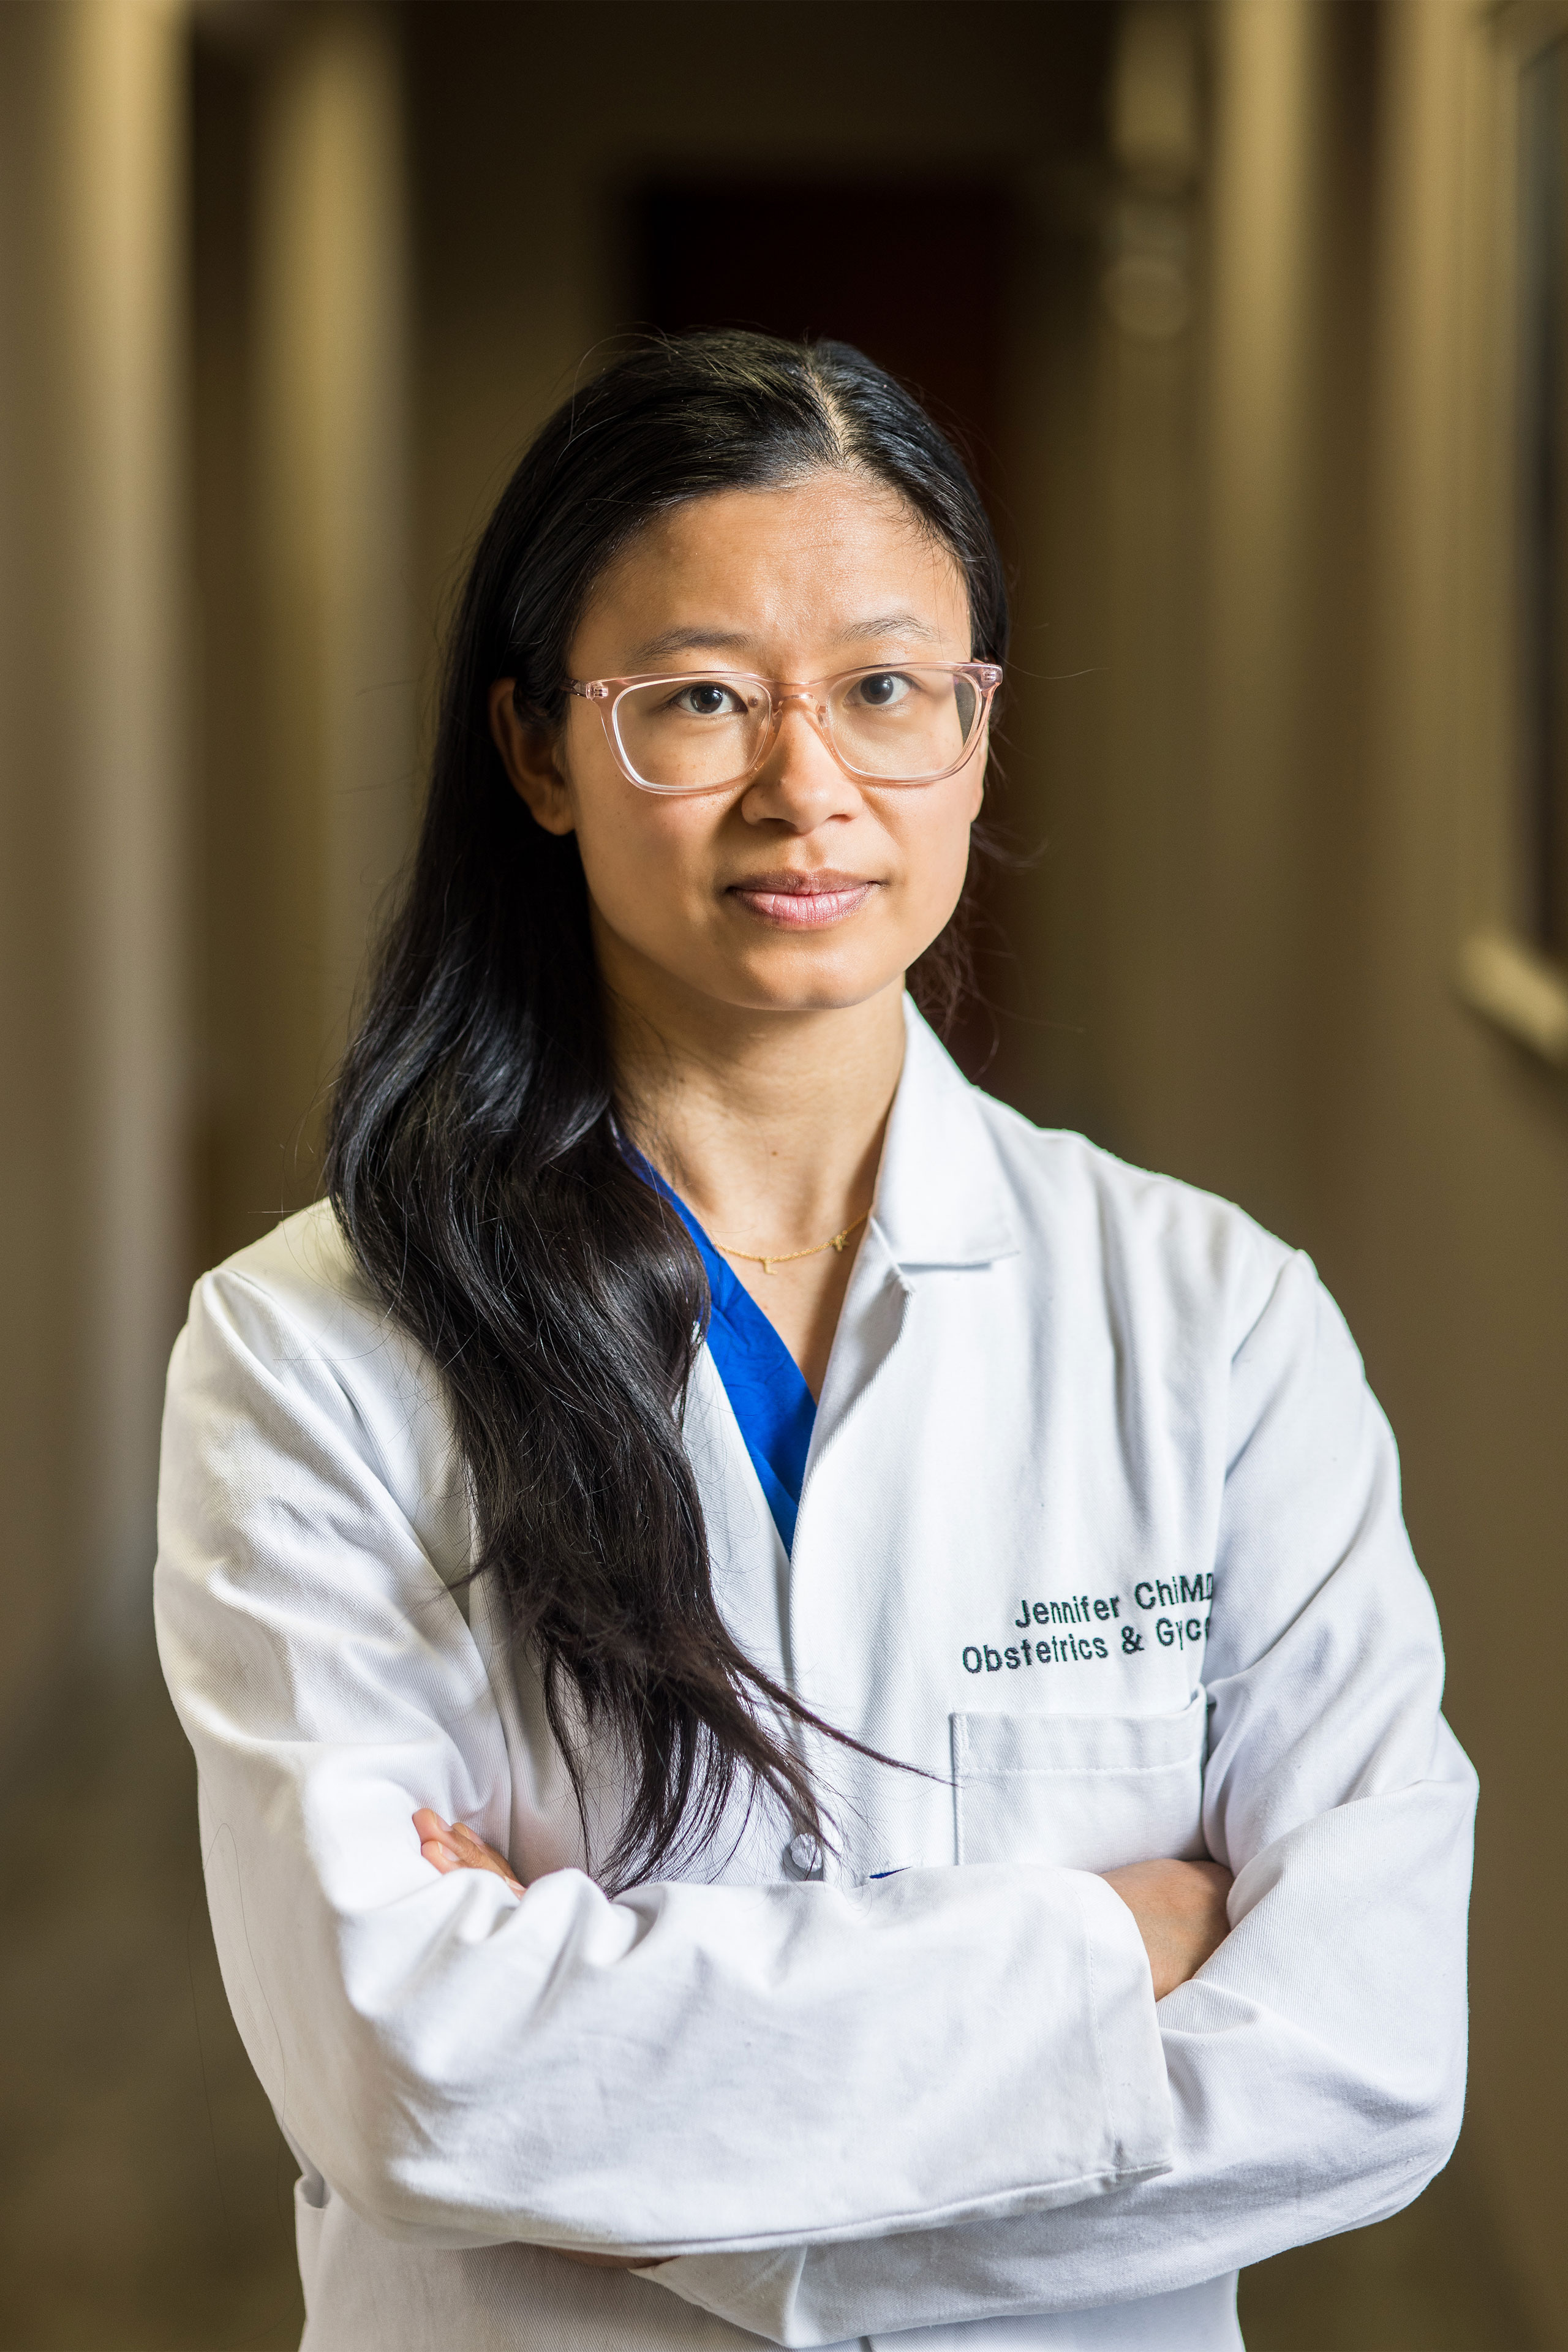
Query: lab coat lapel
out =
(942, 1201)
(942, 1196)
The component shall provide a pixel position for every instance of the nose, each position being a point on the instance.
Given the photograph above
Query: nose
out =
(800, 782)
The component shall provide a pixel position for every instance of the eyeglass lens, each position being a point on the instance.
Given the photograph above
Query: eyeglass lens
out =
(900, 726)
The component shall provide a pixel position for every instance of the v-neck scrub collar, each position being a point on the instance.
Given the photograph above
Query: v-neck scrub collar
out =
(766, 1388)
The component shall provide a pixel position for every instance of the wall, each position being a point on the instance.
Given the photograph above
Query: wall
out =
(1459, 1172)
(1257, 892)
(94, 1072)
(301, 550)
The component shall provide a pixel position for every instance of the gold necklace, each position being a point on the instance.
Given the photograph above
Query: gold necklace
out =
(788, 1257)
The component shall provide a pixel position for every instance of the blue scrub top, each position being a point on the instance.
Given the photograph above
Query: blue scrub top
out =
(765, 1386)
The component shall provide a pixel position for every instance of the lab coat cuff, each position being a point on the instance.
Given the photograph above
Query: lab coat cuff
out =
(845, 2285)
(1135, 2088)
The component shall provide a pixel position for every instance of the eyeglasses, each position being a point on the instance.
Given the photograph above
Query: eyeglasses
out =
(911, 724)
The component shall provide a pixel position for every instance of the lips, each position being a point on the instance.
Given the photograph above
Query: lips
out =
(803, 902)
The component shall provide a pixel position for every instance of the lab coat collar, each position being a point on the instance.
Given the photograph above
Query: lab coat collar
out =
(942, 1196)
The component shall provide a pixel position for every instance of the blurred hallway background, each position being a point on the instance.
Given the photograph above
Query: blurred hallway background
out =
(1253, 316)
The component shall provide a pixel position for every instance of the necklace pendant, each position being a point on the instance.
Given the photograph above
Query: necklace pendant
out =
(767, 1265)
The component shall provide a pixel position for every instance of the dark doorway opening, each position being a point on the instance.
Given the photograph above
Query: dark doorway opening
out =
(913, 272)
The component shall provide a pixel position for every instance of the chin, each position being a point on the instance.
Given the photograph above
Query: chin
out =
(819, 983)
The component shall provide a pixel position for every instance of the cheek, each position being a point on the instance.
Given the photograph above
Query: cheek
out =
(644, 860)
(936, 852)
(636, 850)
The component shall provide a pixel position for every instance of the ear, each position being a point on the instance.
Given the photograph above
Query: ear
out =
(528, 755)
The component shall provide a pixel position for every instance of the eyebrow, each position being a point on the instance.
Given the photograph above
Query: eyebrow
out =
(736, 641)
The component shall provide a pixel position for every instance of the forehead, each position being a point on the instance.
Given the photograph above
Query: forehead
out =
(806, 564)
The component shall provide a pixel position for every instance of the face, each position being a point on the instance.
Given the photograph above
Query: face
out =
(802, 890)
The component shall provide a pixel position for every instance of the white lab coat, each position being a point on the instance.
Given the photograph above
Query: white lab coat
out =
(1100, 1528)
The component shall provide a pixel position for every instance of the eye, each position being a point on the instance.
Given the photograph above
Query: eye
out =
(706, 699)
(881, 690)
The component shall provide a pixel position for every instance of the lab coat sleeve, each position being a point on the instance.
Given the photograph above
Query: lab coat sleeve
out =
(1317, 2061)
(687, 2068)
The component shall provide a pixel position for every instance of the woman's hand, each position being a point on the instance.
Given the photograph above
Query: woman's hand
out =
(448, 1845)
(1179, 1907)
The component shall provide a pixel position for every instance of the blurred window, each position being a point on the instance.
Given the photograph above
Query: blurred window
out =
(1543, 496)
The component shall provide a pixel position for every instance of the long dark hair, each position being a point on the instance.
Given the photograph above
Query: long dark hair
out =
(476, 1161)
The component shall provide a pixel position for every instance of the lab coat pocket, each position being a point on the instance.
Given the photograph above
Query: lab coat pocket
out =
(1085, 1791)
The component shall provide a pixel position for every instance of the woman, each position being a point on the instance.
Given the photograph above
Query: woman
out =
(708, 1470)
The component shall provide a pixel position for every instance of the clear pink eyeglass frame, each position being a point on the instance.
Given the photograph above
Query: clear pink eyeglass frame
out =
(606, 692)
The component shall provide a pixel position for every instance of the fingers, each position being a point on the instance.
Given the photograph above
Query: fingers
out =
(436, 1843)
(452, 1845)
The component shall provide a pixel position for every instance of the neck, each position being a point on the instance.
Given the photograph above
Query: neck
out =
(769, 1125)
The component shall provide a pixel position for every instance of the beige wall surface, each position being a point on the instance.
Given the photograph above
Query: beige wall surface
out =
(94, 1067)
(1459, 1176)
(303, 559)
(1255, 910)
